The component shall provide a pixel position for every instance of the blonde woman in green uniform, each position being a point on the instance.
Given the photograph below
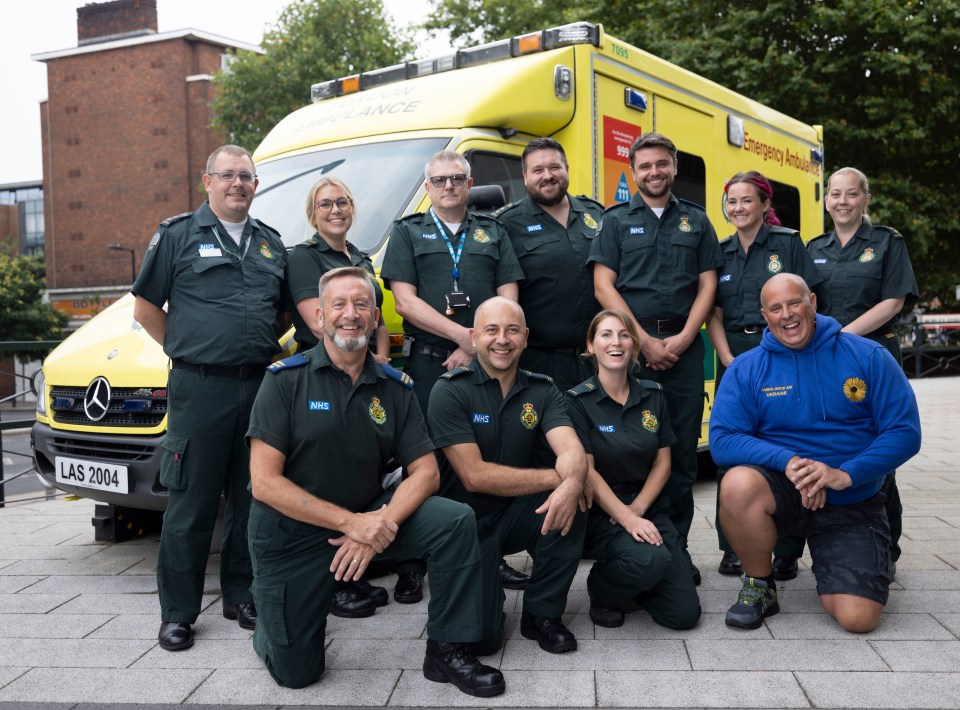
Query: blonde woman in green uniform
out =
(759, 249)
(868, 280)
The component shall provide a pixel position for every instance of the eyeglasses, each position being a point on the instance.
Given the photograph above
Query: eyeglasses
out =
(440, 180)
(343, 204)
(230, 176)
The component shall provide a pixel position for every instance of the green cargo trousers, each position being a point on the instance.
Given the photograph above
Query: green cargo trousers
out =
(556, 557)
(293, 585)
(204, 454)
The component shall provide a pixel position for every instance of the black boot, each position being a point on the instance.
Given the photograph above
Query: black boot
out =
(450, 663)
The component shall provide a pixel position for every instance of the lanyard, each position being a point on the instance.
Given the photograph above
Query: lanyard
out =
(456, 257)
(246, 246)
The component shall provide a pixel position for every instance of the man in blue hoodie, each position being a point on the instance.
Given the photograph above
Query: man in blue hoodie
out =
(809, 424)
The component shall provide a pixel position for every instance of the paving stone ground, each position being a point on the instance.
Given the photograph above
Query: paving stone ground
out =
(78, 624)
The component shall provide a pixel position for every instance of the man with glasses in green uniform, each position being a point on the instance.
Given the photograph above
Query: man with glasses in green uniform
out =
(441, 265)
(656, 259)
(490, 418)
(220, 272)
(326, 426)
(552, 231)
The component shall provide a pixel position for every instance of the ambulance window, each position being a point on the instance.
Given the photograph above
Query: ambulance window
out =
(691, 181)
(497, 169)
(786, 203)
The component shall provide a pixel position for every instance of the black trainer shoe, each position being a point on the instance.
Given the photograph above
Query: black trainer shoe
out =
(599, 614)
(511, 578)
(730, 564)
(451, 663)
(551, 634)
(350, 604)
(756, 602)
(784, 568)
(175, 636)
(409, 588)
(377, 594)
(245, 613)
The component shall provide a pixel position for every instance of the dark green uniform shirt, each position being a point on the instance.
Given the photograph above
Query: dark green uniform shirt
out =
(223, 299)
(466, 407)
(306, 264)
(872, 267)
(658, 261)
(339, 437)
(741, 277)
(624, 439)
(418, 255)
(557, 290)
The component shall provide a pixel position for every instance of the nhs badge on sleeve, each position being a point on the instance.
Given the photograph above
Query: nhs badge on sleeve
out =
(481, 418)
(317, 405)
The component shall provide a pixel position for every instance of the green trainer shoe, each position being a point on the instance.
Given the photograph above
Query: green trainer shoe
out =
(756, 602)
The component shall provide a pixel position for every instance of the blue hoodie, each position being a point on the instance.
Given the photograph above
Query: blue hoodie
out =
(842, 400)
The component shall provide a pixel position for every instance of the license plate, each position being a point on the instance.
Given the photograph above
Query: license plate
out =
(92, 474)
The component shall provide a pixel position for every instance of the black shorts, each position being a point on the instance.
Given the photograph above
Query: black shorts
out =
(849, 544)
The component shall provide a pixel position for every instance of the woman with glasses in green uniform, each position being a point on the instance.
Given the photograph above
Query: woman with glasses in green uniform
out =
(330, 211)
(868, 280)
(625, 429)
(759, 249)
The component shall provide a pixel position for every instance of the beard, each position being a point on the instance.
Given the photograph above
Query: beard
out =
(351, 345)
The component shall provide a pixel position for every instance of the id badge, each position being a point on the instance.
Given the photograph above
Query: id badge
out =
(407, 344)
(455, 300)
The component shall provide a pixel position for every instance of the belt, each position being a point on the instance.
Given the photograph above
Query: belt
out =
(240, 372)
(438, 353)
(626, 488)
(664, 326)
(753, 329)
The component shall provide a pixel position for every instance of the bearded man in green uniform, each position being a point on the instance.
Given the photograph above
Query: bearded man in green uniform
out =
(655, 259)
(552, 231)
(220, 272)
(326, 426)
(489, 418)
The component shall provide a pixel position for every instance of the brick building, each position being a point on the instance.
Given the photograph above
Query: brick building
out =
(126, 134)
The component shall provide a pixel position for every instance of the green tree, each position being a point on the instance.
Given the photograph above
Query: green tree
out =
(881, 76)
(313, 40)
(23, 314)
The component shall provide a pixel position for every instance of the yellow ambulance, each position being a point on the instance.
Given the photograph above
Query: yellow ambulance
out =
(376, 130)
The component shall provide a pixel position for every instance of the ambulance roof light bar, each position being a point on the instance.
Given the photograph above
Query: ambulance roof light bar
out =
(552, 38)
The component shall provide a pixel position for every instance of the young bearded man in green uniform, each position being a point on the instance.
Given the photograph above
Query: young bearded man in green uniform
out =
(655, 259)
(552, 231)
(326, 426)
(220, 272)
(489, 418)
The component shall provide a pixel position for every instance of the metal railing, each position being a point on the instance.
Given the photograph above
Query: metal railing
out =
(18, 420)
(926, 356)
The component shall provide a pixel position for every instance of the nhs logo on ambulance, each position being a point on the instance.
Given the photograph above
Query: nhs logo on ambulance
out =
(481, 418)
(636, 230)
(316, 405)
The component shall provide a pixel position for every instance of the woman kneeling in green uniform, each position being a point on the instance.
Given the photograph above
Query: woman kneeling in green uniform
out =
(625, 429)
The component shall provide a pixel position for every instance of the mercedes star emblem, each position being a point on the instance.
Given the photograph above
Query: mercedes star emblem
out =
(96, 401)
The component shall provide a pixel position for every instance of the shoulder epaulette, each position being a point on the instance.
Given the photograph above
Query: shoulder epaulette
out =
(178, 218)
(479, 217)
(890, 230)
(268, 227)
(725, 240)
(783, 230)
(408, 217)
(394, 374)
(590, 201)
(582, 388)
(690, 204)
(819, 236)
(505, 208)
(617, 206)
(538, 376)
(456, 372)
(650, 384)
(287, 363)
